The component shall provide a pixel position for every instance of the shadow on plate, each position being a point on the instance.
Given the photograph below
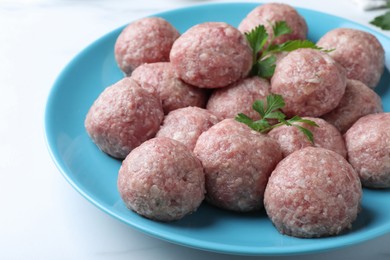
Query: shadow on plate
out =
(211, 214)
(364, 219)
(384, 83)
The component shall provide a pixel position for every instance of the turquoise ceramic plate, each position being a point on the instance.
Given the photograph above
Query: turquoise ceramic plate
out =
(94, 174)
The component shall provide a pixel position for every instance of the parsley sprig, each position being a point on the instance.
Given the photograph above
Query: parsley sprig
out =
(382, 21)
(271, 110)
(264, 48)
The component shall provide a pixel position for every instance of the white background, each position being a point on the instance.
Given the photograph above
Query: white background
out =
(42, 216)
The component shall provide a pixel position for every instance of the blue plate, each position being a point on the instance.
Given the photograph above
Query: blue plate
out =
(94, 174)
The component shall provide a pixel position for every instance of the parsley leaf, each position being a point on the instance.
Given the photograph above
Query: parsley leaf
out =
(255, 125)
(280, 28)
(271, 110)
(382, 21)
(265, 68)
(306, 132)
(299, 119)
(274, 102)
(264, 48)
(259, 107)
(257, 39)
(294, 45)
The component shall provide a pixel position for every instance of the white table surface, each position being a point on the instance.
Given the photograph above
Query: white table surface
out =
(42, 216)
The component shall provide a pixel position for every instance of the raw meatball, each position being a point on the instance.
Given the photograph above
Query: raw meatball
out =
(238, 98)
(146, 40)
(268, 14)
(237, 163)
(173, 92)
(358, 100)
(211, 55)
(368, 146)
(122, 117)
(162, 180)
(359, 52)
(313, 192)
(310, 81)
(325, 135)
(186, 124)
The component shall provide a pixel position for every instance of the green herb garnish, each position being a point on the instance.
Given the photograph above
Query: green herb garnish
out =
(264, 48)
(382, 21)
(271, 110)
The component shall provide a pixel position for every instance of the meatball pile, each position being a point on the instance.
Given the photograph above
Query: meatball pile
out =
(171, 121)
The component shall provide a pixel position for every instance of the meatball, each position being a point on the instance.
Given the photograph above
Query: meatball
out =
(358, 100)
(211, 55)
(359, 52)
(313, 192)
(122, 117)
(237, 163)
(162, 180)
(325, 135)
(238, 98)
(268, 14)
(187, 124)
(173, 92)
(146, 40)
(310, 81)
(368, 146)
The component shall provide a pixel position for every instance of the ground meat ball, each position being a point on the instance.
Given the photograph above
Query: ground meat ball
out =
(310, 81)
(368, 146)
(238, 98)
(325, 135)
(162, 180)
(146, 40)
(122, 117)
(211, 55)
(237, 163)
(313, 192)
(173, 92)
(358, 100)
(359, 52)
(268, 14)
(187, 124)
